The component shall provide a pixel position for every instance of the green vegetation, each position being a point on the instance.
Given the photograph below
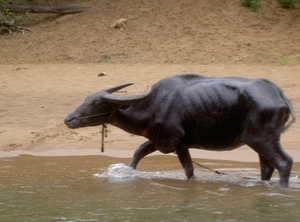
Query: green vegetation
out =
(287, 3)
(282, 61)
(253, 4)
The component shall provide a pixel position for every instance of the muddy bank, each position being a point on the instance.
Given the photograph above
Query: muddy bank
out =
(35, 99)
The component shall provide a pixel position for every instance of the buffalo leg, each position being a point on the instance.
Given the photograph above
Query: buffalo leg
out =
(283, 164)
(143, 150)
(277, 157)
(186, 161)
(266, 168)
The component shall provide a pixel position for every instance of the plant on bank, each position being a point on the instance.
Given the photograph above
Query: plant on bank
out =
(287, 3)
(253, 4)
(2, 2)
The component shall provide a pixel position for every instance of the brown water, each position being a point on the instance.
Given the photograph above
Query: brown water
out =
(97, 188)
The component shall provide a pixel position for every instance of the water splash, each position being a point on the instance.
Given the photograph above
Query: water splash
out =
(119, 170)
(122, 171)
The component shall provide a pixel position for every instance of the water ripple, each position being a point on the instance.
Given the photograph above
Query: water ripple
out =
(231, 176)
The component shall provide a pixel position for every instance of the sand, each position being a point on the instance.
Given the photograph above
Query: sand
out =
(35, 99)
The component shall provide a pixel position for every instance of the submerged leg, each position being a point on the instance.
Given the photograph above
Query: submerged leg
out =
(266, 168)
(143, 150)
(273, 155)
(186, 161)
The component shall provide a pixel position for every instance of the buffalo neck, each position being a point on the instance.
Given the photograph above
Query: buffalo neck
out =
(130, 120)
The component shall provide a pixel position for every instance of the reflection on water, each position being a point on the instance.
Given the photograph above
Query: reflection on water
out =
(98, 188)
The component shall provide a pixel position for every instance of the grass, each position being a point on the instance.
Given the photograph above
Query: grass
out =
(284, 60)
(253, 4)
(287, 3)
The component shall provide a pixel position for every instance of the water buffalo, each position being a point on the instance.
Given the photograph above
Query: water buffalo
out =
(194, 111)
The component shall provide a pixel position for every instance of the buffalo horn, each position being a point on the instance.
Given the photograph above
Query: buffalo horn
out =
(116, 88)
(126, 100)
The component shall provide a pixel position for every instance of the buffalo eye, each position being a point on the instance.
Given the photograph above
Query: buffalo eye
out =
(96, 103)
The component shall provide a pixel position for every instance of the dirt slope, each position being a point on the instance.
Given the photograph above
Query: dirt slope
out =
(169, 31)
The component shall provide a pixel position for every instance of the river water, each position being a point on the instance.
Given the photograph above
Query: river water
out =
(98, 188)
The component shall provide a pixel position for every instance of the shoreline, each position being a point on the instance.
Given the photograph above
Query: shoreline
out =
(242, 155)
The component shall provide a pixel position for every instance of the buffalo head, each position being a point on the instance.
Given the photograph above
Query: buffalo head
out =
(99, 107)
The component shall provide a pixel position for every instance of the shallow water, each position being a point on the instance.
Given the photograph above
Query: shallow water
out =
(97, 188)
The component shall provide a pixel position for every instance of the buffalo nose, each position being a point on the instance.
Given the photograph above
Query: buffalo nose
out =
(68, 120)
